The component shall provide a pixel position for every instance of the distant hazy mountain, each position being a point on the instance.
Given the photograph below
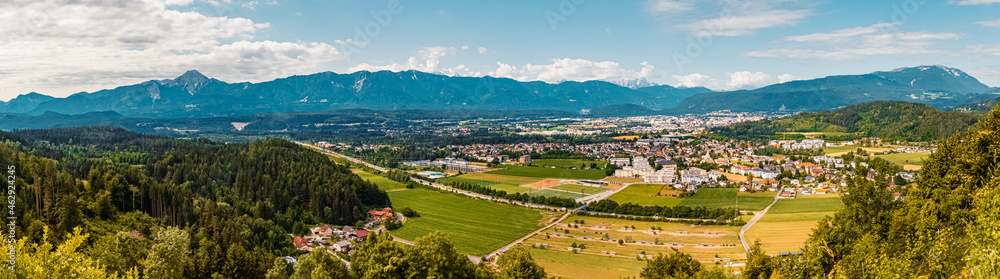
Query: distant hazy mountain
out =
(24, 103)
(634, 83)
(937, 86)
(983, 106)
(194, 95)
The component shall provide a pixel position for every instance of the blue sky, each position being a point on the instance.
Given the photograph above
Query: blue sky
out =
(58, 49)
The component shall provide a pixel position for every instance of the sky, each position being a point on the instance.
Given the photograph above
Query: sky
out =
(61, 47)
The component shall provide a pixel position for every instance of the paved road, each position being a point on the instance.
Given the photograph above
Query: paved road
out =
(328, 152)
(519, 240)
(753, 220)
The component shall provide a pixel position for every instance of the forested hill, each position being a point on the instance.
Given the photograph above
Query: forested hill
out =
(886, 119)
(232, 206)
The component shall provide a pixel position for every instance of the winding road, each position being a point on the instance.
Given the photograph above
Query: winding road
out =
(753, 220)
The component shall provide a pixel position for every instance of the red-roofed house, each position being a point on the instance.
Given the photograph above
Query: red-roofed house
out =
(300, 243)
(380, 215)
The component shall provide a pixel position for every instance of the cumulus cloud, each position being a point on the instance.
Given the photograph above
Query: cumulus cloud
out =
(787, 77)
(428, 59)
(877, 39)
(745, 79)
(567, 69)
(60, 48)
(733, 81)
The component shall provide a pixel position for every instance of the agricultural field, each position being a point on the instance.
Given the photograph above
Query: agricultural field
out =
(549, 172)
(626, 137)
(587, 190)
(754, 201)
(564, 163)
(383, 183)
(477, 227)
(712, 197)
(591, 263)
(841, 150)
(909, 161)
(788, 224)
(644, 194)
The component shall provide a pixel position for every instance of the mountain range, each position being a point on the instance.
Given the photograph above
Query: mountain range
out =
(195, 95)
(938, 86)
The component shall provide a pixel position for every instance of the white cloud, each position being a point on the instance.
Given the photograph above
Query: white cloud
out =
(851, 43)
(842, 33)
(984, 49)
(990, 23)
(694, 80)
(482, 50)
(739, 25)
(740, 80)
(787, 77)
(668, 6)
(607, 30)
(428, 59)
(734, 81)
(61, 48)
(567, 69)
(727, 18)
(975, 2)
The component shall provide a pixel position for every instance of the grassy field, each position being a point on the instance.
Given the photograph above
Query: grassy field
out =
(903, 159)
(492, 177)
(712, 197)
(550, 172)
(587, 190)
(567, 163)
(805, 204)
(788, 223)
(644, 194)
(841, 150)
(591, 263)
(755, 201)
(382, 182)
(477, 227)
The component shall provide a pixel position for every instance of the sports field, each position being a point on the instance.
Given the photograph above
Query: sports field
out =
(549, 172)
(383, 183)
(587, 190)
(476, 226)
(788, 224)
(507, 185)
(562, 163)
(492, 177)
(592, 263)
